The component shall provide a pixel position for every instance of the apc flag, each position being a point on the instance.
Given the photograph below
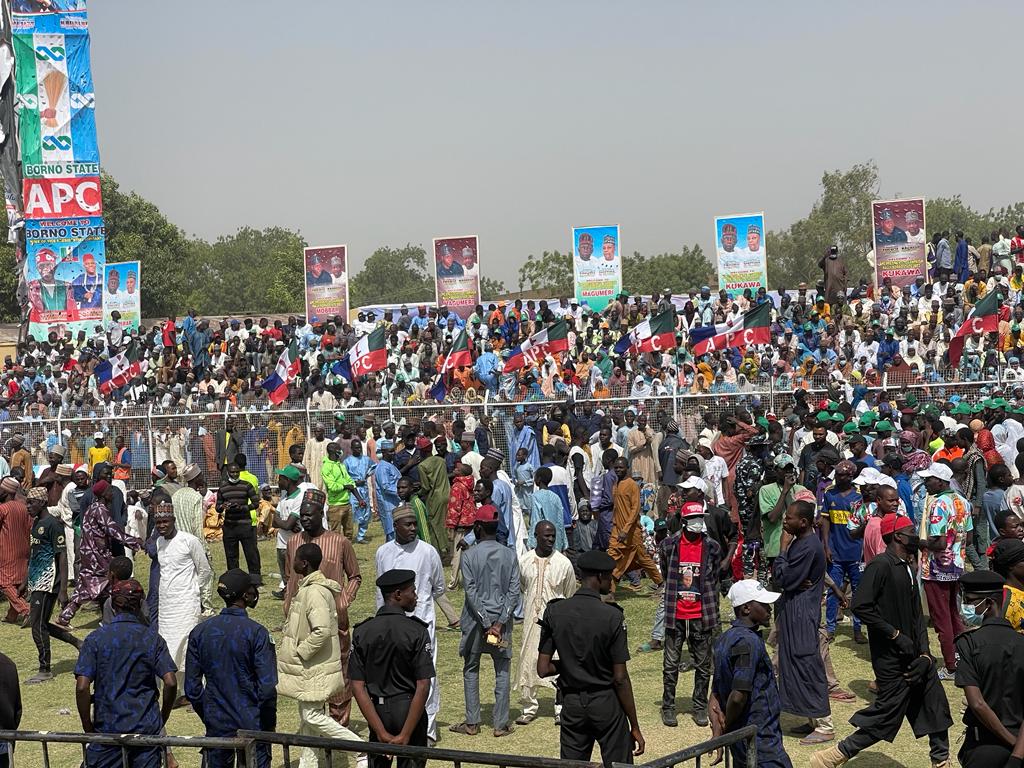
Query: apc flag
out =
(284, 373)
(369, 354)
(753, 327)
(984, 318)
(654, 335)
(460, 354)
(120, 369)
(551, 340)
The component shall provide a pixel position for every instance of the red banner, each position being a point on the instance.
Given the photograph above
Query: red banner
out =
(62, 198)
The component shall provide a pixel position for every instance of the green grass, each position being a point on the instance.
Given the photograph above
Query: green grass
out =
(51, 707)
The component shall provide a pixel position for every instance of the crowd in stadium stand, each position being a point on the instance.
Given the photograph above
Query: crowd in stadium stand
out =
(857, 335)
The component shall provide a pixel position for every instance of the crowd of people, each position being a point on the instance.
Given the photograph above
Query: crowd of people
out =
(873, 506)
(861, 334)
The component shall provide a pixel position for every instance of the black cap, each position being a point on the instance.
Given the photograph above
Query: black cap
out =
(661, 524)
(1007, 553)
(980, 582)
(395, 578)
(595, 561)
(235, 582)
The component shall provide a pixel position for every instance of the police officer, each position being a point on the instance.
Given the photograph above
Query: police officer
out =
(597, 695)
(391, 666)
(990, 668)
(231, 672)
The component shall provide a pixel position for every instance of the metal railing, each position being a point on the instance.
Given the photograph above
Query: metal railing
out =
(336, 751)
(708, 748)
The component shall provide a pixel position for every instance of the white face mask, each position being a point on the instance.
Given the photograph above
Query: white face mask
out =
(694, 525)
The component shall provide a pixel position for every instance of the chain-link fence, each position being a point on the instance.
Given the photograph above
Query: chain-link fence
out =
(271, 438)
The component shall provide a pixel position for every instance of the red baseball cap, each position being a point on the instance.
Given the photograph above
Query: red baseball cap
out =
(488, 513)
(893, 522)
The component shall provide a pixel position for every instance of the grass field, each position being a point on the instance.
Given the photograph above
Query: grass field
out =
(50, 707)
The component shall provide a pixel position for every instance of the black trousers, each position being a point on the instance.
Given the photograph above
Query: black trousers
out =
(242, 532)
(229, 758)
(698, 641)
(392, 712)
(595, 716)
(40, 609)
(982, 749)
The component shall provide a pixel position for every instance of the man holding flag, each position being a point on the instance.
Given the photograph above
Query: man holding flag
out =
(984, 318)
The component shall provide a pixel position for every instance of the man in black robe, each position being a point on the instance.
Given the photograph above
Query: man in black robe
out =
(888, 602)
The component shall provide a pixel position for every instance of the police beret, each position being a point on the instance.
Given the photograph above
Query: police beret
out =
(235, 582)
(981, 581)
(395, 578)
(595, 561)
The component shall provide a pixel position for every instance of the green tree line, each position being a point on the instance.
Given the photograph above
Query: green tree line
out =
(261, 270)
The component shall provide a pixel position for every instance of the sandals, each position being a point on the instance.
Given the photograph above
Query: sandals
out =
(650, 647)
(525, 719)
(506, 731)
(466, 729)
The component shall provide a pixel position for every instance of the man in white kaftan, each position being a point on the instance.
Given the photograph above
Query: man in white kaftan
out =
(314, 455)
(545, 575)
(189, 514)
(408, 551)
(183, 568)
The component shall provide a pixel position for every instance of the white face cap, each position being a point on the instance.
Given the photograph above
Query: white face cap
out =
(751, 590)
(98, 436)
(868, 476)
(937, 469)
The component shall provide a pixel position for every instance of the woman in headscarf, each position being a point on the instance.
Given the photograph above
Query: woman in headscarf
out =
(987, 445)
(699, 384)
(1006, 448)
(743, 385)
(914, 458)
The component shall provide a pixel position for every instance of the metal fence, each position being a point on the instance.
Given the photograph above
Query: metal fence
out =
(268, 436)
(52, 752)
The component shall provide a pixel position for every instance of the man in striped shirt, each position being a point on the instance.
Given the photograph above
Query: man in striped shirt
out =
(15, 530)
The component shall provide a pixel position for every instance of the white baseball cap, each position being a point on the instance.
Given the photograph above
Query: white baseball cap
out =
(692, 482)
(98, 436)
(867, 476)
(886, 481)
(751, 590)
(937, 469)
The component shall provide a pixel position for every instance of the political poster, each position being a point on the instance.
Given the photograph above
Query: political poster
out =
(121, 292)
(739, 246)
(901, 246)
(457, 274)
(55, 101)
(64, 274)
(596, 265)
(326, 269)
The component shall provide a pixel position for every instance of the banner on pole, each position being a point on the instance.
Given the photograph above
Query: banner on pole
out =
(64, 266)
(596, 265)
(457, 274)
(901, 245)
(121, 292)
(326, 270)
(739, 246)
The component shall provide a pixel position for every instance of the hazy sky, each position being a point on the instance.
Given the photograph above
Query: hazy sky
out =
(382, 123)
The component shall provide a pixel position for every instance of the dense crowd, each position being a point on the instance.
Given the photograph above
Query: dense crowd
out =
(862, 504)
(860, 334)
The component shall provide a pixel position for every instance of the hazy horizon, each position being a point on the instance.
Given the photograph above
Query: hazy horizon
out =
(387, 123)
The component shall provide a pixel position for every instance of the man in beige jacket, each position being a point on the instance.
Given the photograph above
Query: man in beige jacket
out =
(309, 660)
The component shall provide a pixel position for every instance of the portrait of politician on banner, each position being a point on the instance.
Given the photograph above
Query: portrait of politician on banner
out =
(121, 293)
(901, 246)
(457, 274)
(326, 270)
(739, 246)
(596, 265)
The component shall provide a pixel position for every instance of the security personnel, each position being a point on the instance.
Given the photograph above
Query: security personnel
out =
(231, 672)
(990, 669)
(391, 666)
(596, 693)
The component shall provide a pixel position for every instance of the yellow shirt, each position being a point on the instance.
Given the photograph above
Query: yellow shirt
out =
(99, 455)
(1013, 607)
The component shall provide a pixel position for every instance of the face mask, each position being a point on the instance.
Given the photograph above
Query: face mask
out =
(973, 613)
(694, 525)
(912, 543)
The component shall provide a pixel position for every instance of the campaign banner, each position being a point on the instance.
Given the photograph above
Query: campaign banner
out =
(901, 246)
(55, 98)
(739, 245)
(457, 274)
(326, 269)
(122, 292)
(64, 265)
(596, 276)
(63, 198)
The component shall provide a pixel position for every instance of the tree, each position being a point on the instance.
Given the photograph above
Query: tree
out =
(138, 231)
(490, 287)
(551, 271)
(649, 275)
(393, 276)
(841, 217)
(10, 312)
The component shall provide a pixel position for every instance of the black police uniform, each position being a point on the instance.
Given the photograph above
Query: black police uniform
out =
(991, 658)
(390, 652)
(589, 637)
